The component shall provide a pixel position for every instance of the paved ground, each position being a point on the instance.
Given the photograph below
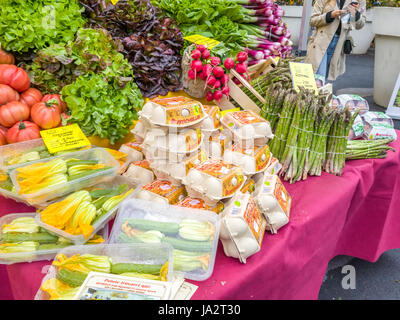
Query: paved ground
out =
(379, 280)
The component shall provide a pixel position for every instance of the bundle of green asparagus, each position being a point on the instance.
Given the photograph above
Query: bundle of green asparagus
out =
(367, 149)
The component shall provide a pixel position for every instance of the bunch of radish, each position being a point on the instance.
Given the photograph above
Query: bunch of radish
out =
(215, 72)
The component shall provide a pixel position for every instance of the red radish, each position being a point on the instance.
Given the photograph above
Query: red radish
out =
(196, 54)
(206, 54)
(196, 65)
(236, 81)
(225, 91)
(241, 68)
(202, 75)
(224, 79)
(192, 74)
(218, 95)
(242, 56)
(218, 72)
(200, 47)
(217, 84)
(229, 63)
(207, 69)
(209, 96)
(211, 80)
(215, 61)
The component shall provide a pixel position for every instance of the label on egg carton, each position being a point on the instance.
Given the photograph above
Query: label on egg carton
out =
(162, 191)
(252, 160)
(211, 122)
(215, 179)
(274, 201)
(248, 187)
(273, 167)
(197, 203)
(174, 111)
(176, 171)
(140, 171)
(185, 141)
(247, 127)
(242, 227)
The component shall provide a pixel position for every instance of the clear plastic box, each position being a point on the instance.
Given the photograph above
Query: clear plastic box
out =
(159, 212)
(54, 192)
(80, 239)
(141, 253)
(16, 257)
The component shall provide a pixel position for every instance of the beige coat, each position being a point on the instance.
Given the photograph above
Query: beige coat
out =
(323, 33)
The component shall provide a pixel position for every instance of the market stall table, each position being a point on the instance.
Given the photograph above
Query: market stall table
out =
(356, 214)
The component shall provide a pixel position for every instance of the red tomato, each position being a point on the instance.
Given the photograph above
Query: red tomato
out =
(46, 114)
(3, 135)
(23, 131)
(15, 77)
(31, 96)
(6, 58)
(61, 104)
(7, 94)
(13, 112)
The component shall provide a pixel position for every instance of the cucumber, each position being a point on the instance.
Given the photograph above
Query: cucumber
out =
(42, 237)
(164, 227)
(71, 278)
(119, 268)
(187, 245)
(51, 246)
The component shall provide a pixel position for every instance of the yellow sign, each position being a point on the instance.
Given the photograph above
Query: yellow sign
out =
(64, 138)
(303, 76)
(114, 2)
(199, 39)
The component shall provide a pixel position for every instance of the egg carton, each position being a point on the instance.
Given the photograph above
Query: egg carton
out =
(134, 151)
(175, 112)
(274, 167)
(247, 128)
(249, 186)
(140, 172)
(273, 200)
(214, 180)
(216, 143)
(252, 160)
(212, 121)
(242, 227)
(162, 191)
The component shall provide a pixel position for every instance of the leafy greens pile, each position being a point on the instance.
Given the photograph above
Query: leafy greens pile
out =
(35, 24)
(152, 42)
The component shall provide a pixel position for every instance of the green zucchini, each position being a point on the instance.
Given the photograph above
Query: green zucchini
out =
(73, 162)
(187, 245)
(124, 238)
(71, 278)
(51, 246)
(164, 227)
(42, 237)
(86, 173)
(119, 268)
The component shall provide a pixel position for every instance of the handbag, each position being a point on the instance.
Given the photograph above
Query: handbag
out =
(348, 45)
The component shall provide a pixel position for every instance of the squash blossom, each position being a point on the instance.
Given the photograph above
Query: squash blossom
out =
(83, 263)
(81, 168)
(38, 172)
(58, 290)
(25, 246)
(24, 224)
(26, 188)
(80, 223)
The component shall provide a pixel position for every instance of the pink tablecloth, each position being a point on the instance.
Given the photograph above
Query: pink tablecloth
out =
(357, 214)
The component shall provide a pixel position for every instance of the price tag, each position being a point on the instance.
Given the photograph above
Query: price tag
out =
(64, 138)
(303, 76)
(199, 39)
(393, 109)
(114, 2)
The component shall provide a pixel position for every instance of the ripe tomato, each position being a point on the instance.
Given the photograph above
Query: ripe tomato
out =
(15, 77)
(13, 112)
(23, 131)
(3, 135)
(7, 94)
(6, 58)
(47, 115)
(31, 96)
(61, 104)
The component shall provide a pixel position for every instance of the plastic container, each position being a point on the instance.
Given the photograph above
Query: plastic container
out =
(273, 200)
(162, 191)
(140, 172)
(16, 149)
(157, 212)
(214, 179)
(16, 257)
(176, 171)
(176, 112)
(252, 160)
(53, 192)
(353, 102)
(140, 253)
(242, 227)
(195, 203)
(80, 239)
(247, 128)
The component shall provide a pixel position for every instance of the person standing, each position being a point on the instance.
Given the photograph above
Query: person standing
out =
(332, 21)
